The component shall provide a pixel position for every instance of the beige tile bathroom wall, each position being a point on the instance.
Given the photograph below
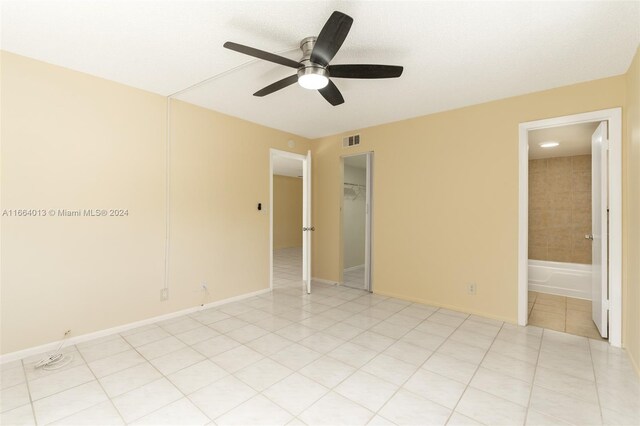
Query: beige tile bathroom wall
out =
(560, 209)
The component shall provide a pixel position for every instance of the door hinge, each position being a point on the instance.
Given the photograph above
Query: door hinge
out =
(605, 304)
(606, 144)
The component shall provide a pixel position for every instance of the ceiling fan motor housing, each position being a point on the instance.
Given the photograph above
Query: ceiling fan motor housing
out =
(308, 67)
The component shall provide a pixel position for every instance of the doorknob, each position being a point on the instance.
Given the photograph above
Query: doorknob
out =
(589, 237)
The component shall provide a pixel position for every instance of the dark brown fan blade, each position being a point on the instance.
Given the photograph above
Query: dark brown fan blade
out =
(261, 54)
(331, 38)
(280, 84)
(365, 71)
(331, 93)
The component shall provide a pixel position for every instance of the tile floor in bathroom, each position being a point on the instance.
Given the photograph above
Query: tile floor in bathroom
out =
(562, 313)
(337, 356)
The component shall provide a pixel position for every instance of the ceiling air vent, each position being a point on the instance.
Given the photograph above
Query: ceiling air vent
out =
(349, 141)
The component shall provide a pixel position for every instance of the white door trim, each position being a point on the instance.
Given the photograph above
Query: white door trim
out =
(600, 227)
(614, 117)
(278, 153)
(369, 226)
(307, 224)
(368, 262)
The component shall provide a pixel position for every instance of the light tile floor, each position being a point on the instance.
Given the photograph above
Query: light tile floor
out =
(562, 313)
(337, 356)
(354, 278)
(287, 267)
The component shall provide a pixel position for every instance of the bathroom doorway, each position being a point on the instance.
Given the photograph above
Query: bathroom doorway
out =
(570, 225)
(560, 229)
(356, 221)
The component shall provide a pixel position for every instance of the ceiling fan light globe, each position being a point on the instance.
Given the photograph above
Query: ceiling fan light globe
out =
(313, 81)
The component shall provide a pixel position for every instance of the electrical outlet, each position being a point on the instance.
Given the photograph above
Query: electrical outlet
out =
(164, 294)
(471, 288)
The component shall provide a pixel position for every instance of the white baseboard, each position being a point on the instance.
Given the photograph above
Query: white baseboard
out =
(353, 268)
(447, 306)
(12, 356)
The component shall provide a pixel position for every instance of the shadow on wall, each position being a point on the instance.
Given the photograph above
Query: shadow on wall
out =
(287, 212)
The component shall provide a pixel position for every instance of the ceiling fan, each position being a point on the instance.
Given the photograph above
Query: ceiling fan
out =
(314, 69)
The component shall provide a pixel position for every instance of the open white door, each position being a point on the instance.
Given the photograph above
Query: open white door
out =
(599, 228)
(307, 227)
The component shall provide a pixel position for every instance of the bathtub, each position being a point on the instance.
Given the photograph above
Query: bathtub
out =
(565, 279)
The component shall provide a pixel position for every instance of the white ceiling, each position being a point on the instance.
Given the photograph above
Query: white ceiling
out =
(454, 53)
(574, 139)
(287, 166)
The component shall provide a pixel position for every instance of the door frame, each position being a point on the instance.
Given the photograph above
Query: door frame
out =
(303, 159)
(368, 256)
(614, 118)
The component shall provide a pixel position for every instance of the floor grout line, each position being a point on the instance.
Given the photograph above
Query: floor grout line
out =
(533, 379)
(168, 380)
(26, 380)
(101, 387)
(453, 410)
(595, 378)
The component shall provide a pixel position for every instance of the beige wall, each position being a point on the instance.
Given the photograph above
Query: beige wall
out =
(446, 198)
(287, 212)
(631, 218)
(560, 209)
(70, 140)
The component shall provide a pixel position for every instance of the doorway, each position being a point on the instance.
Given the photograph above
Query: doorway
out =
(569, 269)
(290, 220)
(356, 220)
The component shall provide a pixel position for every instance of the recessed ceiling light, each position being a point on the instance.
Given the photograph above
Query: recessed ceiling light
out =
(549, 144)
